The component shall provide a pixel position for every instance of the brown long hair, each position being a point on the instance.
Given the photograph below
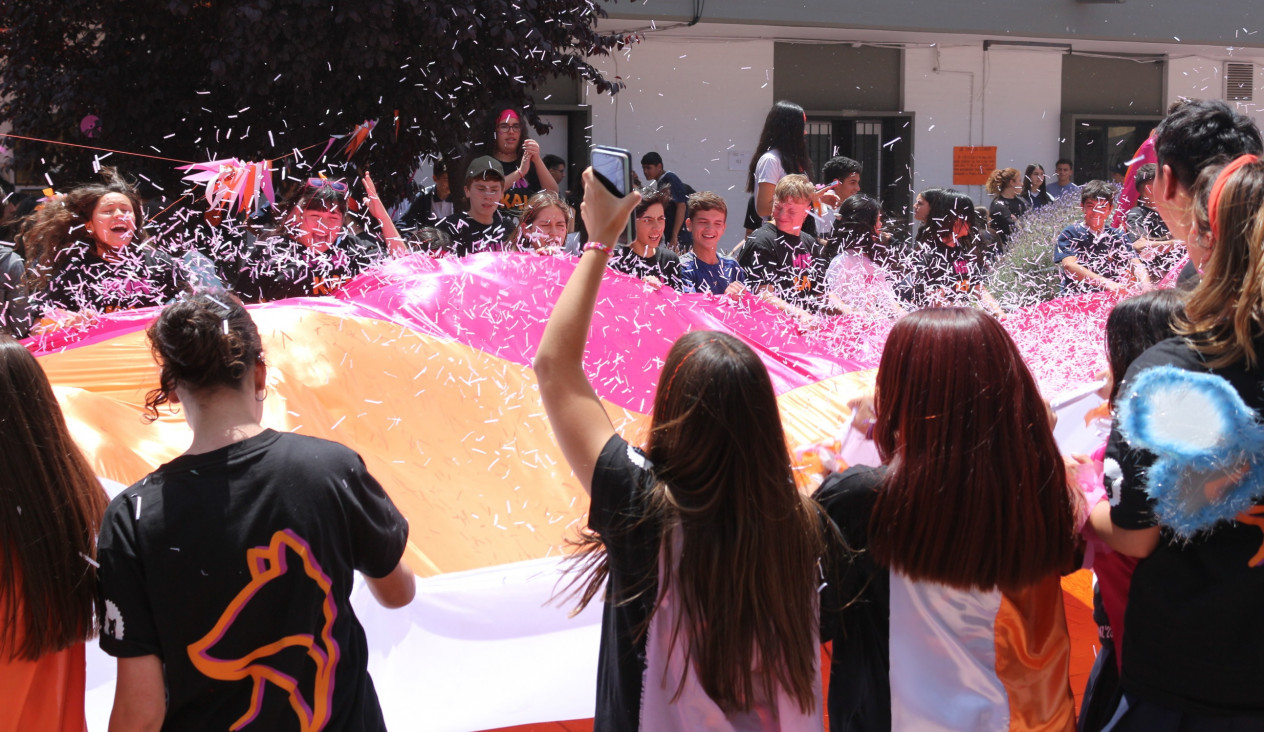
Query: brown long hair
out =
(50, 509)
(746, 574)
(53, 231)
(976, 495)
(203, 342)
(1225, 313)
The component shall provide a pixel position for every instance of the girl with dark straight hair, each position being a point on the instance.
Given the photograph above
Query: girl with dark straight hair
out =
(951, 257)
(962, 536)
(782, 150)
(706, 549)
(50, 508)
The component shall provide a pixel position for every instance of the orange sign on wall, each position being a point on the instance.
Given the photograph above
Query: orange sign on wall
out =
(972, 165)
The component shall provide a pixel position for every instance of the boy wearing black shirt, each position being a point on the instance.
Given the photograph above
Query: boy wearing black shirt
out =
(483, 228)
(645, 257)
(782, 264)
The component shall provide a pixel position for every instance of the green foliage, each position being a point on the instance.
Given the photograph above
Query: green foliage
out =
(1026, 275)
(203, 79)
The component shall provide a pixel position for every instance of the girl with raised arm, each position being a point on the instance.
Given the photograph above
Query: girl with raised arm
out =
(707, 550)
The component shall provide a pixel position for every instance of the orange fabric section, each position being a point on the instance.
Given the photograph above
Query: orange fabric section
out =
(457, 437)
(1033, 654)
(1077, 598)
(45, 695)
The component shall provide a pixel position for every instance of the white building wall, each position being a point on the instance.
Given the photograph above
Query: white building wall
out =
(962, 95)
(695, 103)
(1201, 77)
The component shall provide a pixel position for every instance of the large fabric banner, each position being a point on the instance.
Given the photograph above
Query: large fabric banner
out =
(423, 367)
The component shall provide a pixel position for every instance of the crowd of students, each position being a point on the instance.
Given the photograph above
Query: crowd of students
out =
(935, 575)
(810, 249)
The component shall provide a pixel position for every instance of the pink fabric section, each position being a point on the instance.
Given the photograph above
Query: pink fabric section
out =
(499, 303)
(1128, 196)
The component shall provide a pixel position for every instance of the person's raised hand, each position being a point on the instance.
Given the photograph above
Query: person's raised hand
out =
(605, 215)
(530, 149)
(376, 209)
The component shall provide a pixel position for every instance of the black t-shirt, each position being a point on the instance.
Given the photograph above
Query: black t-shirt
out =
(948, 274)
(251, 549)
(792, 264)
(663, 264)
(277, 267)
(621, 488)
(1194, 608)
(426, 208)
(516, 196)
(855, 608)
(471, 237)
(142, 277)
(1005, 213)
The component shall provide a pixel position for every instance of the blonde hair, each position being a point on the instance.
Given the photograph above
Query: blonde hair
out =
(795, 187)
(1225, 313)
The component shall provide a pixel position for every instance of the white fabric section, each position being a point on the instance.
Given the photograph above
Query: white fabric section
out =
(1073, 436)
(943, 659)
(665, 666)
(475, 650)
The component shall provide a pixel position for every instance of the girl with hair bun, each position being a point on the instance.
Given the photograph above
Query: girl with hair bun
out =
(236, 560)
(88, 251)
(704, 549)
(544, 225)
(50, 509)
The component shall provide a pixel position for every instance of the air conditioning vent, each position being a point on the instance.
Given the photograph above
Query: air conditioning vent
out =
(1239, 82)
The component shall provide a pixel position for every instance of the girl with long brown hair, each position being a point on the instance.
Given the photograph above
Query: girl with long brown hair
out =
(707, 550)
(1193, 657)
(961, 535)
(50, 507)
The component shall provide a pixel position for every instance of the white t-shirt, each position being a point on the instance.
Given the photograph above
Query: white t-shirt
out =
(768, 169)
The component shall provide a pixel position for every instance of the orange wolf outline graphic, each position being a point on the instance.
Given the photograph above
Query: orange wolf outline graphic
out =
(1255, 517)
(268, 563)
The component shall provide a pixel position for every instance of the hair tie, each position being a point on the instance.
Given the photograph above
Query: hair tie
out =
(1217, 188)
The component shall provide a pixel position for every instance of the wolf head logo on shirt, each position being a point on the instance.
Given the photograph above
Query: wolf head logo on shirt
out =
(245, 645)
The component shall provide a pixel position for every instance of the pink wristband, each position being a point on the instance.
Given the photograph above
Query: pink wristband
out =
(604, 248)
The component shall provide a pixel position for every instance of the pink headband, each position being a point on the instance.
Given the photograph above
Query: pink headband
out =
(506, 116)
(1217, 188)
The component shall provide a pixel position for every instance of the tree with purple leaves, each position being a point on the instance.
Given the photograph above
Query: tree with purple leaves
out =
(198, 80)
